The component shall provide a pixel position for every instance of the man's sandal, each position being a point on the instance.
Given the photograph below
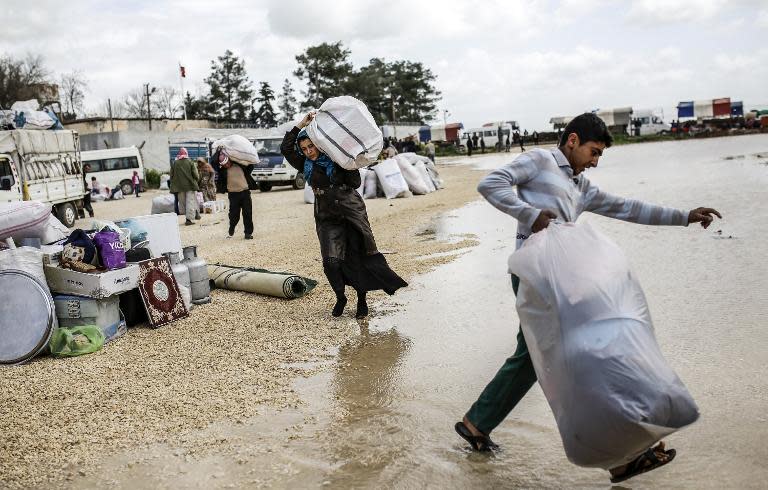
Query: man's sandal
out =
(647, 461)
(479, 443)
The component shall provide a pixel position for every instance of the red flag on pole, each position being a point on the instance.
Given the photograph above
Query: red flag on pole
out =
(183, 71)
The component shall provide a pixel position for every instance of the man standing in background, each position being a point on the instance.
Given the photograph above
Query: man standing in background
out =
(184, 179)
(431, 151)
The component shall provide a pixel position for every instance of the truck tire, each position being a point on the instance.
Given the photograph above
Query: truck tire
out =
(127, 187)
(67, 214)
(298, 182)
(265, 186)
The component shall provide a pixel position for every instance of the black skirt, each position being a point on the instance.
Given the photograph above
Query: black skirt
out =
(345, 234)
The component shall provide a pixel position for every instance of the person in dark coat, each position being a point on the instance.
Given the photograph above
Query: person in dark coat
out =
(349, 251)
(482, 145)
(470, 147)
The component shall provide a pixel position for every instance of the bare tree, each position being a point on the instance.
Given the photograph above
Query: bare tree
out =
(73, 87)
(135, 103)
(166, 102)
(118, 109)
(21, 79)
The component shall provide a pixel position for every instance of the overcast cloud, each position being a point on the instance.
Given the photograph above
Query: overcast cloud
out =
(526, 60)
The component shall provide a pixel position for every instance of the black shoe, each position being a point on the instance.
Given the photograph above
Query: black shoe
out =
(362, 310)
(189, 222)
(338, 308)
(231, 231)
(249, 237)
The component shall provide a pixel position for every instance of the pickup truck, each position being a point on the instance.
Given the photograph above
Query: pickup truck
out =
(274, 170)
(45, 166)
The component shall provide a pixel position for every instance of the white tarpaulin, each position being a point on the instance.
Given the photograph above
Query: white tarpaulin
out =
(344, 129)
(589, 333)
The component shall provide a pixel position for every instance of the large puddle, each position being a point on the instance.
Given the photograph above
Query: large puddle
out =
(382, 415)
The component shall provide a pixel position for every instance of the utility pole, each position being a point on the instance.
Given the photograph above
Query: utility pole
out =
(149, 106)
(111, 121)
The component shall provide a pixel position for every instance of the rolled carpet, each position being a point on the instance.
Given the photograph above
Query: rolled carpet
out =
(260, 281)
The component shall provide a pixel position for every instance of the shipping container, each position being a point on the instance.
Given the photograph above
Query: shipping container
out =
(685, 109)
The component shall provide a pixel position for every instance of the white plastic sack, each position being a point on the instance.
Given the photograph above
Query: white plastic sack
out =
(415, 183)
(30, 105)
(163, 204)
(590, 336)
(436, 179)
(53, 231)
(363, 174)
(309, 196)
(24, 219)
(370, 184)
(118, 195)
(422, 169)
(164, 179)
(239, 149)
(391, 179)
(38, 120)
(344, 129)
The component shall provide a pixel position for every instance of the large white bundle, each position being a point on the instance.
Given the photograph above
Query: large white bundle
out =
(363, 174)
(391, 179)
(344, 129)
(590, 336)
(415, 183)
(24, 219)
(163, 204)
(422, 169)
(30, 105)
(370, 184)
(309, 195)
(239, 149)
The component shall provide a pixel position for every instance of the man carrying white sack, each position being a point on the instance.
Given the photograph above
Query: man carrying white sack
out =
(550, 185)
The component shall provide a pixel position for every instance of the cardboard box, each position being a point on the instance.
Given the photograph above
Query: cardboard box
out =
(98, 286)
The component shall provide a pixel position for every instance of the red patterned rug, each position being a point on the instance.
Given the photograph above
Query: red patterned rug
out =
(160, 292)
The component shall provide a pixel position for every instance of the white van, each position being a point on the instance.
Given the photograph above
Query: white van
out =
(114, 167)
(649, 123)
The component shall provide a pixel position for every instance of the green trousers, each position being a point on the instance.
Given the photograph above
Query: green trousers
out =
(507, 388)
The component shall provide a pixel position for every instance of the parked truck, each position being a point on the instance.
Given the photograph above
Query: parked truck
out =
(45, 166)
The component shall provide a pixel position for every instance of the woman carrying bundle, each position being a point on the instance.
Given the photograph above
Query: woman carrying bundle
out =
(350, 255)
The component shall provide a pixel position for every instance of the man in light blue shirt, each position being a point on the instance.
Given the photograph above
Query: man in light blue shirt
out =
(537, 187)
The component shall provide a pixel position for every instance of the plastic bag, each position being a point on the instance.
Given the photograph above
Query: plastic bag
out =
(363, 174)
(76, 341)
(391, 179)
(111, 250)
(238, 148)
(344, 129)
(590, 336)
(309, 195)
(138, 232)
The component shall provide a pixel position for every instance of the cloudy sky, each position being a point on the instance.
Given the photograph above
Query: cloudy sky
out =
(526, 60)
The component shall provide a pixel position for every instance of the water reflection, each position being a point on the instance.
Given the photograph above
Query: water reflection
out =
(364, 386)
